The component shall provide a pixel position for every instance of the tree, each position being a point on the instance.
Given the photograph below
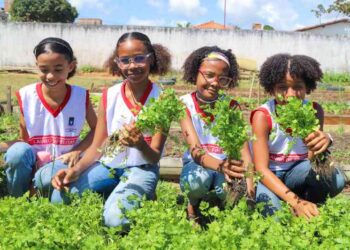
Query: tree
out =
(338, 6)
(50, 11)
(268, 27)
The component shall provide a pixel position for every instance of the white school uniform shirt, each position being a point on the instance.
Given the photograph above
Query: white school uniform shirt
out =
(54, 131)
(119, 111)
(278, 160)
(207, 140)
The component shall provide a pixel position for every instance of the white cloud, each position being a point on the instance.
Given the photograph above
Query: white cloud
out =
(155, 3)
(278, 13)
(187, 7)
(146, 22)
(99, 5)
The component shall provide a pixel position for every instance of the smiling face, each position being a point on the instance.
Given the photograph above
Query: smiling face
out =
(207, 78)
(290, 87)
(136, 71)
(54, 68)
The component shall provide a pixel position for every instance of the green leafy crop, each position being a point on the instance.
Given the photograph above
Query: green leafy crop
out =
(229, 127)
(154, 117)
(297, 119)
(159, 113)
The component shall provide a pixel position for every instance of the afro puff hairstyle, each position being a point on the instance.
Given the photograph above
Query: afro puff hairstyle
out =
(275, 68)
(194, 60)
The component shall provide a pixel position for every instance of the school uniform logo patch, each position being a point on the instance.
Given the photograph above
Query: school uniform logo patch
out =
(71, 121)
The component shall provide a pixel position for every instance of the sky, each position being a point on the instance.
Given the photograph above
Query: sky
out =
(280, 14)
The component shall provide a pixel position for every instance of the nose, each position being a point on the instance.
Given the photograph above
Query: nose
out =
(291, 92)
(50, 76)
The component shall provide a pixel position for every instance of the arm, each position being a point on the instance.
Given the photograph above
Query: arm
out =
(72, 157)
(66, 176)
(247, 162)
(270, 180)
(230, 168)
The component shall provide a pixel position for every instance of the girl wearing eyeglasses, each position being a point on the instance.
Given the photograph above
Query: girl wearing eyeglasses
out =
(134, 58)
(205, 166)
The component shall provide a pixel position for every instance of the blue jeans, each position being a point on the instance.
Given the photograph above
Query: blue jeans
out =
(20, 162)
(125, 188)
(197, 181)
(301, 179)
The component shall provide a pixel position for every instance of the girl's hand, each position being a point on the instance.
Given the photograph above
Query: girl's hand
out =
(64, 177)
(317, 141)
(70, 158)
(232, 169)
(131, 136)
(306, 209)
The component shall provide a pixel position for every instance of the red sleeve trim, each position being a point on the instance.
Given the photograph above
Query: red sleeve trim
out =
(315, 105)
(188, 112)
(20, 103)
(87, 99)
(267, 114)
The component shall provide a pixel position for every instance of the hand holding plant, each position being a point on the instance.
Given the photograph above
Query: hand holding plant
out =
(231, 130)
(154, 117)
(299, 120)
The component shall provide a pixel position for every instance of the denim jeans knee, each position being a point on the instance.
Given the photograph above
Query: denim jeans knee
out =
(19, 162)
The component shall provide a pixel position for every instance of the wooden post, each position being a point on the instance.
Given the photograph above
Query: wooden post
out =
(92, 87)
(8, 100)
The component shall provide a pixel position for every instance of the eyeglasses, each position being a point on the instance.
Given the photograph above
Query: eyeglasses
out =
(126, 60)
(223, 81)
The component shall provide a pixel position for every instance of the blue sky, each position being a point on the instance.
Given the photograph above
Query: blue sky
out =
(281, 14)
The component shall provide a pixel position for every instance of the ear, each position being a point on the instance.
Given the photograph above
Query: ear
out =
(72, 65)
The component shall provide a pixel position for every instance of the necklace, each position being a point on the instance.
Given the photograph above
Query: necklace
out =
(205, 101)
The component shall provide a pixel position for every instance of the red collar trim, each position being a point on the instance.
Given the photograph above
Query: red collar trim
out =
(136, 109)
(198, 108)
(54, 112)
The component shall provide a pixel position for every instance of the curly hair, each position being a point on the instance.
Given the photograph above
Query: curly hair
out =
(56, 45)
(275, 68)
(194, 60)
(161, 57)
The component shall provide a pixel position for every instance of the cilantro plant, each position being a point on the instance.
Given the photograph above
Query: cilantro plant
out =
(231, 130)
(162, 224)
(229, 127)
(299, 120)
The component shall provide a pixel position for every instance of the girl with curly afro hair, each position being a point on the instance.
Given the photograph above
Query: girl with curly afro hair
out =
(205, 166)
(289, 177)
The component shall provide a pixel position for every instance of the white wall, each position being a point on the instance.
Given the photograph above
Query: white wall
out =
(93, 44)
(341, 29)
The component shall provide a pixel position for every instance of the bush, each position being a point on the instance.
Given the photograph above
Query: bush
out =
(162, 224)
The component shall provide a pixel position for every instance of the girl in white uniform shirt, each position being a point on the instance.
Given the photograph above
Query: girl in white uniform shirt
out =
(51, 119)
(210, 69)
(134, 58)
(289, 177)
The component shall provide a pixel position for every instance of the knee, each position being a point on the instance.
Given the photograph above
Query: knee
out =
(195, 186)
(19, 154)
(41, 180)
(114, 217)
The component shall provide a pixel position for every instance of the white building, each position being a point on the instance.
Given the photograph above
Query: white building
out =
(339, 27)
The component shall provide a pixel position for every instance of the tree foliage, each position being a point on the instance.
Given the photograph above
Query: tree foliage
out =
(268, 27)
(338, 6)
(50, 11)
